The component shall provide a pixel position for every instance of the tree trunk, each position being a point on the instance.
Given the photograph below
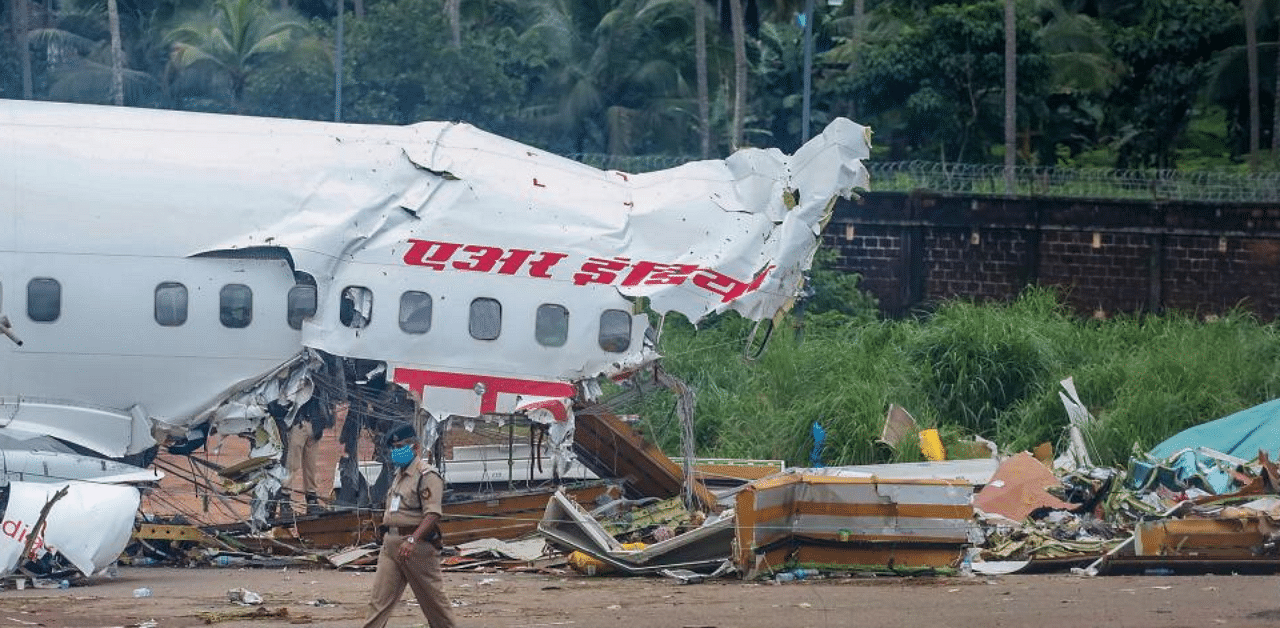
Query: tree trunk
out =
(1010, 93)
(1275, 110)
(700, 52)
(453, 10)
(859, 12)
(1250, 8)
(339, 53)
(739, 26)
(24, 45)
(117, 54)
(357, 7)
(807, 79)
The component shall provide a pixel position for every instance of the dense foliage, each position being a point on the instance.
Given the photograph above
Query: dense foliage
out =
(1124, 83)
(989, 370)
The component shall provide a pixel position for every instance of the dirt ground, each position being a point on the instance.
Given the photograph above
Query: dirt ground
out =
(329, 598)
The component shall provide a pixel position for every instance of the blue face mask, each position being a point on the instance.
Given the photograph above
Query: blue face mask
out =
(402, 456)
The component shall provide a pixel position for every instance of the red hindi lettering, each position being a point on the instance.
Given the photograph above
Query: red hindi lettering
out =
(429, 253)
(541, 266)
(483, 258)
(513, 260)
(600, 270)
(727, 287)
(653, 273)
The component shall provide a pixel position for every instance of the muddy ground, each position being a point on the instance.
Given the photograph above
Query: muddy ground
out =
(329, 598)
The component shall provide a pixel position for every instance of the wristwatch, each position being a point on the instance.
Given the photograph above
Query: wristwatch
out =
(411, 539)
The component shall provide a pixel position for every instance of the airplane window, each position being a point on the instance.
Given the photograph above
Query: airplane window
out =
(356, 309)
(415, 312)
(486, 319)
(44, 300)
(615, 331)
(235, 306)
(171, 304)
(552, 325)
(302, 304)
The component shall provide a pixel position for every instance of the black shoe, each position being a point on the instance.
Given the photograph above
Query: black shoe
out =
(313, 505)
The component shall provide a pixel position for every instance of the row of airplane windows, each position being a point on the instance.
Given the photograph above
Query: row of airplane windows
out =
(235, 311)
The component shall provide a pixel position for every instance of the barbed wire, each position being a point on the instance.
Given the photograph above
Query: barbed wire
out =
(1093, 183)
(1225, 186)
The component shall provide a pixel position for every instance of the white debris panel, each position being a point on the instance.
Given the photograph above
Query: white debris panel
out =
(89, 525)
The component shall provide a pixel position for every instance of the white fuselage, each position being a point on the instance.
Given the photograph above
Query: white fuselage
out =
(530, 264)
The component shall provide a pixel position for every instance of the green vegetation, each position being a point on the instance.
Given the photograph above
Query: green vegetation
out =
(1104, 83)
(988, 370)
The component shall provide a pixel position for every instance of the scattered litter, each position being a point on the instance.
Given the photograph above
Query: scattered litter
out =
(244, 597)
(684, 576)
(260, 612)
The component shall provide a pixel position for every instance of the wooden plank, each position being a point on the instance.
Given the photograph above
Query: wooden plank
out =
(614, 449)
(158, 532)
(502, 517)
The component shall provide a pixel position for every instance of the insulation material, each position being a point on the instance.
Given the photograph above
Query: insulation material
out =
(852, 521)
(1019, 488)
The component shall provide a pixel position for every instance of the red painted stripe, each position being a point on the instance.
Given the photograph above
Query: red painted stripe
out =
(416, 380)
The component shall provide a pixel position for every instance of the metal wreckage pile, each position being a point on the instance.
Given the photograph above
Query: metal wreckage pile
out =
(1194, 504)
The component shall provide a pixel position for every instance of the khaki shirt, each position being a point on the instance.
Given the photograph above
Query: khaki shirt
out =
(415, 491)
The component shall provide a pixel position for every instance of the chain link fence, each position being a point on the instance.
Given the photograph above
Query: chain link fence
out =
(1027, 181)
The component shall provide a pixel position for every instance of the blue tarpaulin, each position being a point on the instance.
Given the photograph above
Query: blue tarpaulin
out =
(1241, 434)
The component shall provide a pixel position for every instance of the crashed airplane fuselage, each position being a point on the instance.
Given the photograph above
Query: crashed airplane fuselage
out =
(162, 271)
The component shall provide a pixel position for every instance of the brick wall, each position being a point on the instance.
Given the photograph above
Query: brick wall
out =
(914, 250)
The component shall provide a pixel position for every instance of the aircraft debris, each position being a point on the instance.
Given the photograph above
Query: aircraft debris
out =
(1020, 486)
(824, 517)
(47, 536)
(704, 548)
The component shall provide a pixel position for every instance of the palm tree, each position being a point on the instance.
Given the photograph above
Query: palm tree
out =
(83, 66)
(619, 80)
(234, 41)
(1237, 72)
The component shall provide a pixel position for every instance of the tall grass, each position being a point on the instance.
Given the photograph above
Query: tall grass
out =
(989, 370)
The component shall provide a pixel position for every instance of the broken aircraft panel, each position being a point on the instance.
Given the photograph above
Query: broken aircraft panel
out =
(171, 272)
(807, 517)
(703, 549)
(42, 518)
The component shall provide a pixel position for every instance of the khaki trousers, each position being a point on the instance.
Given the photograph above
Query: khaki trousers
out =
(302, 455)
(421, 572)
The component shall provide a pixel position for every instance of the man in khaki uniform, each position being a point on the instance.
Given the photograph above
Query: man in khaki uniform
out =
(304, 444)
(410, 551)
